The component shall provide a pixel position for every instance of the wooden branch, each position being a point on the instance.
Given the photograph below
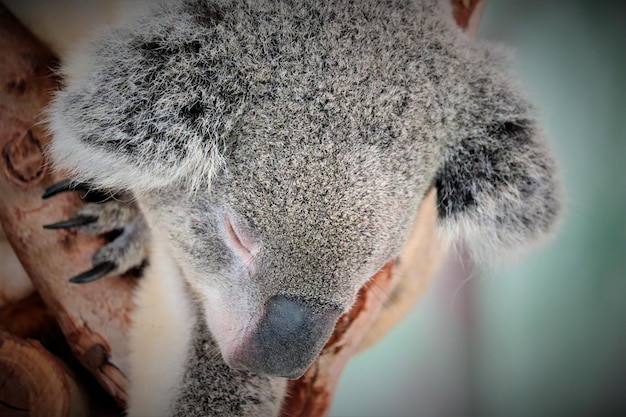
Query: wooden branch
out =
(467, 14)
(35, 383)
(95, 318)
(15, 284)
(411, 273)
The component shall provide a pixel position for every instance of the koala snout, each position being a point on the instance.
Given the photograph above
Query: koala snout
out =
(288, 338)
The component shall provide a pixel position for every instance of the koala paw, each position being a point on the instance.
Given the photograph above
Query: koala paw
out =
(113, 214)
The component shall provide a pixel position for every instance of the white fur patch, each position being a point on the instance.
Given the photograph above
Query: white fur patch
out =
(160, 336)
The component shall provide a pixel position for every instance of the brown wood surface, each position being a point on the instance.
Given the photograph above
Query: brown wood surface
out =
(94, 318)
(467, 13)
(35, 383)
(411, 273)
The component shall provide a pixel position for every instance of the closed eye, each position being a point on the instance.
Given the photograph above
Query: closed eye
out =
(234, 236)
(241, 244)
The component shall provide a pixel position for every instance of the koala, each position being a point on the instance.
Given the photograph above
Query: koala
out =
(277, 152)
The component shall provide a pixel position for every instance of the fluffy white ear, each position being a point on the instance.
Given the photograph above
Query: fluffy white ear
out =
(498, 190)
(137, 110)
(140, 161)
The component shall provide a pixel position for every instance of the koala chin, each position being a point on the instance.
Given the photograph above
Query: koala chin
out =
(278, 152)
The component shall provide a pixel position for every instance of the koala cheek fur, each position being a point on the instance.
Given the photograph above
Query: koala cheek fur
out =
(316, 127)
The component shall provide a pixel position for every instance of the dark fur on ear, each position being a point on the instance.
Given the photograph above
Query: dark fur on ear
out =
(497, 190)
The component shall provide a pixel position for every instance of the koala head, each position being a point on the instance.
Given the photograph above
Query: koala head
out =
(283, 148)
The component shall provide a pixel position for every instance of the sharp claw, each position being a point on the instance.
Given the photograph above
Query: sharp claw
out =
(97, 196)
(61, 187)
(89, 193)
(94, 273)
(76, 221)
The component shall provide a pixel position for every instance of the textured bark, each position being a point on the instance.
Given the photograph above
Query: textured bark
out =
(467, 14)
(15, 284)
(35, 383)
(94, 318)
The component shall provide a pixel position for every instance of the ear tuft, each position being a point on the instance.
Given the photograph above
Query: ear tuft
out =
(139, 110)
(497, 191)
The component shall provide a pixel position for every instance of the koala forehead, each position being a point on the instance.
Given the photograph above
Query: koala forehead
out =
(168, 94)
(317, 204)
(298, 116)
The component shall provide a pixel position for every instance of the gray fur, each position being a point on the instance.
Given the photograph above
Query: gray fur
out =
(316, 128)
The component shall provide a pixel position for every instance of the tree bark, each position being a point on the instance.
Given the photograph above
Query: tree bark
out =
(35, 383)
(94, 318)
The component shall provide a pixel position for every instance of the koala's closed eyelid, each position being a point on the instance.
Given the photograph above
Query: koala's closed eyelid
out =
(241, 243)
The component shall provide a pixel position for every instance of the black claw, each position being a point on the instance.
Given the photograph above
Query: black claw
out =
(94, 273)
(61, 187)
(76, 221)
(97, 196)
(88, 192)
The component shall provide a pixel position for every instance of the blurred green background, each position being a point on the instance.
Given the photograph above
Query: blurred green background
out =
(545, 337)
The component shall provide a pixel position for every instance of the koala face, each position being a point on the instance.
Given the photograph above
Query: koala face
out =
(280, 246)
(282, 148)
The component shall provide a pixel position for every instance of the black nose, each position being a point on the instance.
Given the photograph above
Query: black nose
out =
(285, 318)
(289, 337)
